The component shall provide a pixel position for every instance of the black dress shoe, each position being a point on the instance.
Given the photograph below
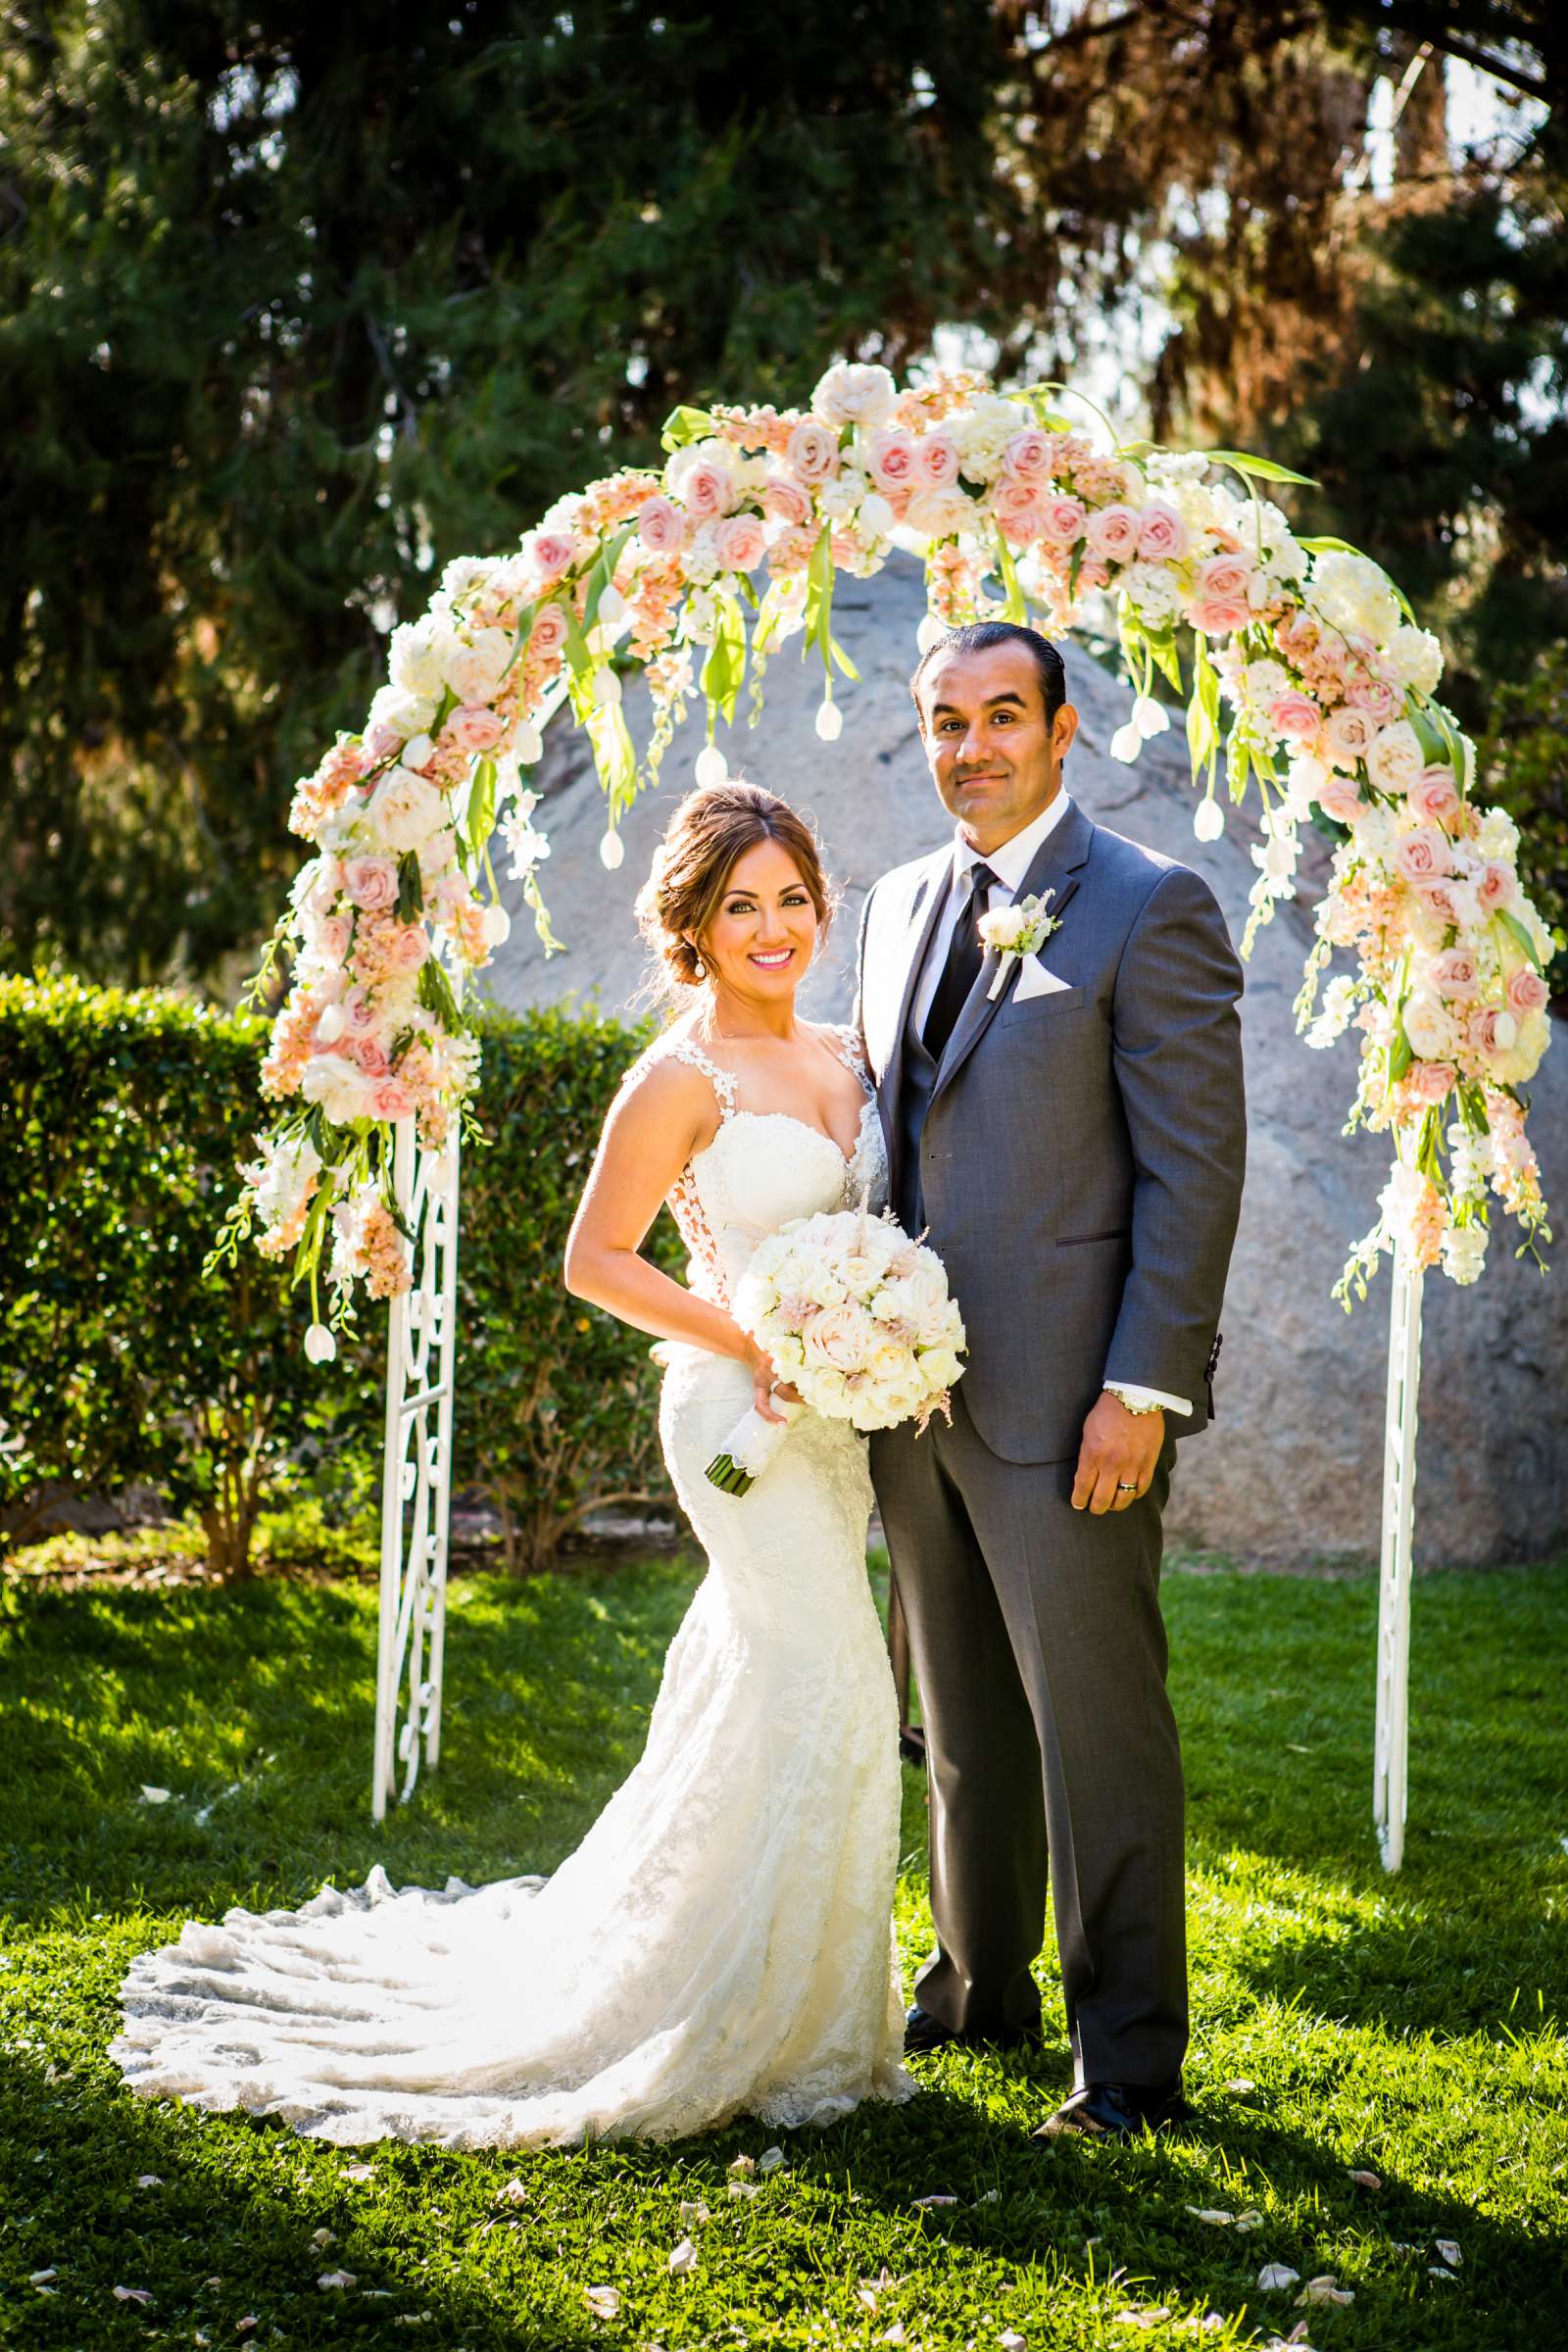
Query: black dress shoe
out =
(924, 2032)
(1116, 2111)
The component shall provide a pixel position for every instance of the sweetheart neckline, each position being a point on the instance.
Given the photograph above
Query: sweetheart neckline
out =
(806, 1126)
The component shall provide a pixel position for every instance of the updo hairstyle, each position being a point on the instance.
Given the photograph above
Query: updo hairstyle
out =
(708, 833)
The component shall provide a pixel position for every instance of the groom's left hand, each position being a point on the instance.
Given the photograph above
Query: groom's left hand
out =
(1117, 1458)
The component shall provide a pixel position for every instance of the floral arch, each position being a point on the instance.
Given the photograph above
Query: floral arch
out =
(1304, 668)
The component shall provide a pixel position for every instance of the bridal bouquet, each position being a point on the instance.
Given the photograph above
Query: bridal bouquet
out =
(857, 1317)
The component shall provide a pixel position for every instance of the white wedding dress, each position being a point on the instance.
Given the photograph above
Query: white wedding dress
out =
(720, 1942)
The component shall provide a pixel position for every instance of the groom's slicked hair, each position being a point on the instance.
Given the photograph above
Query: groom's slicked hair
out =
(978, 637)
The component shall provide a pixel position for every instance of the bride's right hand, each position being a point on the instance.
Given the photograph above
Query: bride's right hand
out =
(767, 1384)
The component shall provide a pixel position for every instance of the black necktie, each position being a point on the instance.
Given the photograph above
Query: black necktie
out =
(962, 966)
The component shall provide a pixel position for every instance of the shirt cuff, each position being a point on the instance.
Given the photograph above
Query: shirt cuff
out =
(1130, 1393)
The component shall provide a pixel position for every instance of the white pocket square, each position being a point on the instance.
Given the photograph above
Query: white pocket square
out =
(1035, 981)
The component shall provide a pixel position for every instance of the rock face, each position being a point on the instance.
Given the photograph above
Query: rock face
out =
(1291, 1472)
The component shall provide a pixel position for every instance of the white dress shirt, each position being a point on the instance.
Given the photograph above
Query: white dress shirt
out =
(1009, 863)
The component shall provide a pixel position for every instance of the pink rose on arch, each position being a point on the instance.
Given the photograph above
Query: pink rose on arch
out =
(1062, 520)
(936, 459)
(1222, 580)
(1020, 516)
(554, 554)
(1491, 1029)
(1422, 855)
(391, 1100)
(548, 632)
(1456, 975)
(891, 457)
(1348, 735)
(739, 542)
(1294, 716)
(1435, 796)
(786, 502)
(334, 938)
(1340, 797)
(709, 489)
(371, 883)
(812, 451)
(1436, 896)
(370, 1054)
(473, 727)
(1499, 886)
(1219, 617)
(1113, 532)
(1094, 573)
(659, 526)
(381, 741)
(1162, 534)
(1027, 457)
(411, 946)
(1426, 1083)
(359, 1013)
(1527, 991)
(1376, 697)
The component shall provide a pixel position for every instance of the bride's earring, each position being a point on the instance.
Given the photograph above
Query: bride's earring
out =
(698, 968)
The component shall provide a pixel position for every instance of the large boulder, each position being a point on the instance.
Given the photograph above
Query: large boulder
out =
(1293, 1470)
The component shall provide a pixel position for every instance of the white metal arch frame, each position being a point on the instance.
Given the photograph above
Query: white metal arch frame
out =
(416, 1473)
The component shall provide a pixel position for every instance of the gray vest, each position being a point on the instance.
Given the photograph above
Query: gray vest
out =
(914, 1101)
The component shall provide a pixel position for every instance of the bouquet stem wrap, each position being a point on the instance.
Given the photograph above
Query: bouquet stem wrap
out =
(749, 1446)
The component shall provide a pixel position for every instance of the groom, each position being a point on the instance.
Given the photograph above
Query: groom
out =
(1067, 1125)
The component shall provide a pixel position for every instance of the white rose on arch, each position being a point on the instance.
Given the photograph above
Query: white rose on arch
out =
(404, 811)
(855, 392)
(475, 669)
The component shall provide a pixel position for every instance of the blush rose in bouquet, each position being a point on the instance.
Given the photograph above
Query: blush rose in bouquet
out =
(857, 1317)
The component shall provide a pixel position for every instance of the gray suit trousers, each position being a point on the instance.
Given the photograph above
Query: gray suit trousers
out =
(1052, 1752)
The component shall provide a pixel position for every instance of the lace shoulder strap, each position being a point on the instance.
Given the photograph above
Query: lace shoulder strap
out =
(722, 1082)
(844, 1042)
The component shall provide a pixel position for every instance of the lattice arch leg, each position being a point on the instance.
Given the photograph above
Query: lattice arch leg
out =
(416, 1473)
(1392, 1740)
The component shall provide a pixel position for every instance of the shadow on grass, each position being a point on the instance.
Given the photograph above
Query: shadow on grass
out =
(225, 2230)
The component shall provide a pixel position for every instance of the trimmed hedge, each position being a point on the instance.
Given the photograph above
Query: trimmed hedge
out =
(126, 1116)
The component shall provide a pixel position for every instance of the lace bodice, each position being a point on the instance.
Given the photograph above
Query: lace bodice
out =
(763, 1169)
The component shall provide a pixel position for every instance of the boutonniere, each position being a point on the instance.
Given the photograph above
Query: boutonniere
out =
(1016, 931)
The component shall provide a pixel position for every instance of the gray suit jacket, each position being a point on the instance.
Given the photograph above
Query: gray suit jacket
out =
(1081, 1159)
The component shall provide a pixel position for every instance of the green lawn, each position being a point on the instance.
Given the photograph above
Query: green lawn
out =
(1415, 2027)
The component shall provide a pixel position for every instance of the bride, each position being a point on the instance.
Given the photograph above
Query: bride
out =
(721, 1943)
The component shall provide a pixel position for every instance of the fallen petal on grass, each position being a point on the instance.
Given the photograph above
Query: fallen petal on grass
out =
(1449, 2249)
(692, 2216)
(321, 2239)
(336, 2282)
(512, 2192)
(154, 1796)
(133, 2295)
(1252, 2219)
(1275, 2276)
(41, 2277)
(743, 2164)
(603, 2301)
(744, 2189)
(150, 2181)
(1325, 2289)
(1212, 2213)
(769, 2160)
(1370, 2181)
(683, 2261)
(1241, 2084)
(935, 2200)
